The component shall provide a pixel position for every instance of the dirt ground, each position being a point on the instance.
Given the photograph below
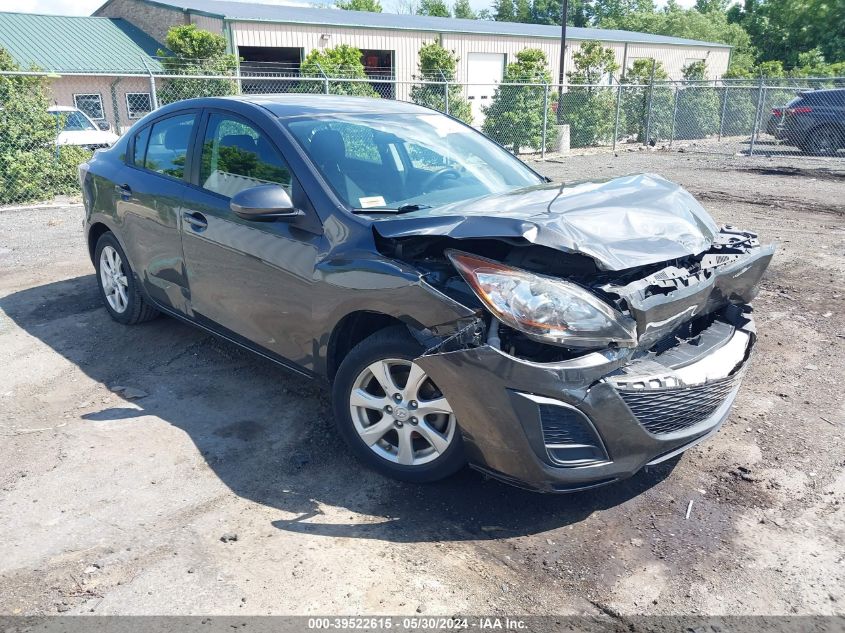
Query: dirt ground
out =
(114, 501)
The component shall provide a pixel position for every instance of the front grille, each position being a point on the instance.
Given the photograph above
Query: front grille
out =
(664, 411)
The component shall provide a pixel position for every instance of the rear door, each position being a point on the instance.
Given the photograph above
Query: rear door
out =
(248, 279)
(149, 197)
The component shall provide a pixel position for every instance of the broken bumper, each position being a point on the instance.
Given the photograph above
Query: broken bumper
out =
(590, 421)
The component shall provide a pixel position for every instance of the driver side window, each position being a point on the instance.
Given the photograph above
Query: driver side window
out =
(236, 156)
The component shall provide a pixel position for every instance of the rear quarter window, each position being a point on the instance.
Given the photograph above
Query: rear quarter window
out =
(139, 150)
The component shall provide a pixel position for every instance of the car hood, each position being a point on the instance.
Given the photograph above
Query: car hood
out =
(86, 137)
(621, 223)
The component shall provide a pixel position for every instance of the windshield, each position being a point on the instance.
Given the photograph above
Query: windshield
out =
(407, 161)
(74, 121)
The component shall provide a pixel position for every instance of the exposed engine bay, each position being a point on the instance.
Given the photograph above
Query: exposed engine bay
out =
(664, 303)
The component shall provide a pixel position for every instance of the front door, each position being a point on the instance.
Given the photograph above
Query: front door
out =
(485, 71)
(247, 278)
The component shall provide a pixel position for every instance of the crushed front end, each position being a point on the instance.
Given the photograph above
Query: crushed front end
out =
(559, 418)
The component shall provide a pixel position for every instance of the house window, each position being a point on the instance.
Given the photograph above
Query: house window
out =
(138, 104)
(90, 104)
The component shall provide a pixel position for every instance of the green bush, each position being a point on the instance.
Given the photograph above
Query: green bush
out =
(740, 107)
(64, 177)
(590, 113)
(634, 116)
(196, 52)
(698, 112)
(30, 166)
(438, 64)
(590, 110)
(342, 61)
(699, 105)
(515, 117)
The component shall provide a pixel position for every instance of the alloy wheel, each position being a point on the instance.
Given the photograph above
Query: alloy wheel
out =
(113, 279)
(400, 413)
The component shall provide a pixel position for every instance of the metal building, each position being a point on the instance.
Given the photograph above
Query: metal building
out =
(390, 43)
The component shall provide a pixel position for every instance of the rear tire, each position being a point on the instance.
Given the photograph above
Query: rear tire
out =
(391, 414)
(118, 286)
(823, 141)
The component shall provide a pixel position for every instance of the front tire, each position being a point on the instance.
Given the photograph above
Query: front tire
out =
(118, 287)
(392, 415)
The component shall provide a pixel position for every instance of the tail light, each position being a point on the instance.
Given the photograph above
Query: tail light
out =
(799, 110)
(777, 111)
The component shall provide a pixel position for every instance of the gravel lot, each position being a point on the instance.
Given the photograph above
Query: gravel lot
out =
(114, 501)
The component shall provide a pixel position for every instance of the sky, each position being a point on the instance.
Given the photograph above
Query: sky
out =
(86, 7)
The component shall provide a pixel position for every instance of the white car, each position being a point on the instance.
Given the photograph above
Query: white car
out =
(76, 128)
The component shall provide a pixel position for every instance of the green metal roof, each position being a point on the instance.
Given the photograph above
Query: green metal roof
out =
(80, 44)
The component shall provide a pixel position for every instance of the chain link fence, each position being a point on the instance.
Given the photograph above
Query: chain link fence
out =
(49, 123)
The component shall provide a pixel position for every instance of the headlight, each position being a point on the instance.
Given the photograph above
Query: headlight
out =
(544, 307)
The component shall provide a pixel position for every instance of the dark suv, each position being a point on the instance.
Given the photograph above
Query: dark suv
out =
(463, 308)
(814, 121)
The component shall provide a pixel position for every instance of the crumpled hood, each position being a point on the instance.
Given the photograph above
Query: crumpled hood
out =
(621, 223)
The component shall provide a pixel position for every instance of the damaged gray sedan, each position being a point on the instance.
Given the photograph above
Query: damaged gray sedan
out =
(464, 309)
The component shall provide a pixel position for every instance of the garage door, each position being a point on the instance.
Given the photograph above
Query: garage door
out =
(485, 70)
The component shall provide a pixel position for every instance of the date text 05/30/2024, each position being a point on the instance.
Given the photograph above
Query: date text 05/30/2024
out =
(418, 623)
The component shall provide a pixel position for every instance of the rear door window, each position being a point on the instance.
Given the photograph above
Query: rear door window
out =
(167, 149)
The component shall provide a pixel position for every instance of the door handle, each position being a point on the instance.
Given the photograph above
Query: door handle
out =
(196, 220)
(124, 191)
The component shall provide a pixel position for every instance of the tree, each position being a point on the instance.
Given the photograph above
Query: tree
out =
(196, 52)
(593, 62)
(698, 105)
(341, 62)
(711, 6)
(438, 64)
(588, 108)
(32, 167)
(635, 101)
(784, 29)
(600, 11)
(515, 117)
(688, 23)
(539, 11)
(373, 6)
(437, 8)
(463, 9)
(504, 11)
(523, 11)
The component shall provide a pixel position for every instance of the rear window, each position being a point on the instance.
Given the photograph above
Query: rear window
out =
(822, 98)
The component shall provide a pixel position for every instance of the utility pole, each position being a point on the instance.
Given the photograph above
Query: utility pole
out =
(564, 11)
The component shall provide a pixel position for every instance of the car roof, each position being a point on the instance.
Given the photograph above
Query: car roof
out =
(60, 108)
(821, 91)
(291, 105)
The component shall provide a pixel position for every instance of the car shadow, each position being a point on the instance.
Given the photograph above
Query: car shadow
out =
(267, 433)
(771, 147)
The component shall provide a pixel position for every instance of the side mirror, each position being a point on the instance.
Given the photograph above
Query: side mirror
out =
(265, 202)
(105, 126)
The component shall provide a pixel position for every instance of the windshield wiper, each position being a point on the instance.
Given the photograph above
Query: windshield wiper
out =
(405, 208)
